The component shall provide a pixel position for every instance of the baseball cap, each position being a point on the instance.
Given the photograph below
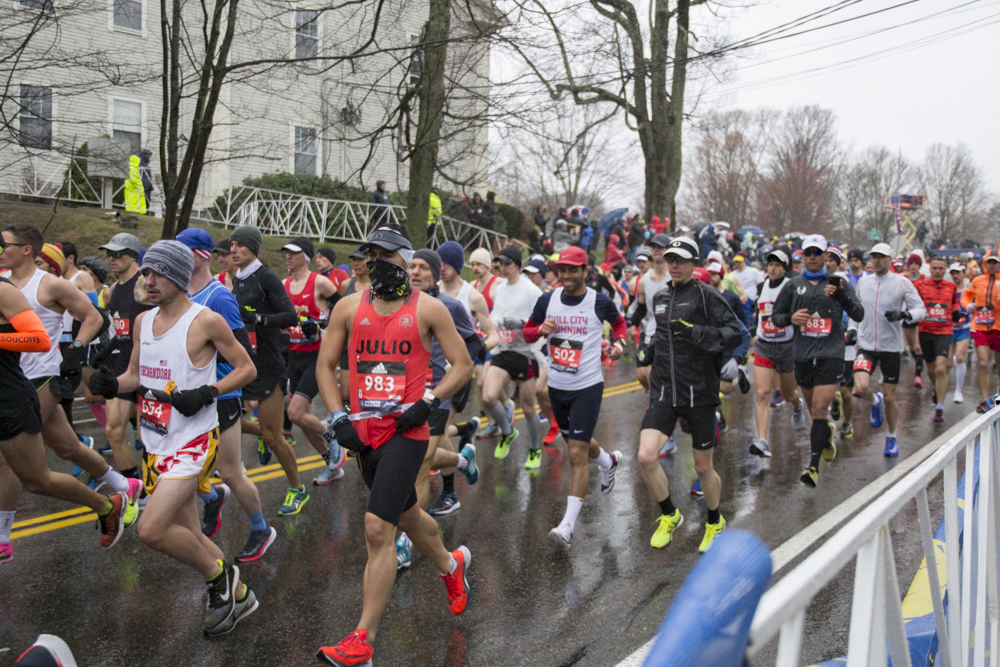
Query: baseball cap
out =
(303, 245)
(123, 241)
(702, 276)
(510, 254)
(224, 246)
(956, 267)
(536, 266)
(683, 247)
(388, 238)
(881, 249)
(358, 254)
(814, 241)
(661, 240)
(797, 256)
(643, 253)
(779, 256)
(573, 256)
(739, 258)
(199, 240)
(715, 267)
(991, 258)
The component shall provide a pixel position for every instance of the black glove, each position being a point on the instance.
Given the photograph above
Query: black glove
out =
(852, 337)
(103, 383)
(103, 353)
(897, 315)
(347, 437)
(189, 401)
(249, 316)
(956, 316)
(415, 415)
(644, 355)
(310, 329)
(681, 329)
(72, 362)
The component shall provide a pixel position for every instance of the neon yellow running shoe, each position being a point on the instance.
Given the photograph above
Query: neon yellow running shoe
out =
(503, 447)
(534, 459)
(830, 451)
(661, 537)
(712, 531)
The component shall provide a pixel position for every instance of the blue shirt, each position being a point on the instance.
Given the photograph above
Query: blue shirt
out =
(216, 297)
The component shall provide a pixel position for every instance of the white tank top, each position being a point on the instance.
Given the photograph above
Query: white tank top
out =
(765, 304)
(463, 298)
(651, 288)
(164, 359)
(68, 320)
(42, 364)
(575, 345)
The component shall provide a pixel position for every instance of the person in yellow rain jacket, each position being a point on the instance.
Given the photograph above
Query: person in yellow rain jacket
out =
(434, 212)
(135, 195)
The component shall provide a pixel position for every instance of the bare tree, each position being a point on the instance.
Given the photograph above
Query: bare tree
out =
(958, 201)
(869, 177)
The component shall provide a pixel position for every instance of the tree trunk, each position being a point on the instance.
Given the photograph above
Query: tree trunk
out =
(431, 98)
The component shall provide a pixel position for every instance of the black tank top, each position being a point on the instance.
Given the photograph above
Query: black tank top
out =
(123, 309)
(14, 387)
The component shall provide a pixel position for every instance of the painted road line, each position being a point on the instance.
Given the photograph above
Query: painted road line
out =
(78, 515)
(796, 546)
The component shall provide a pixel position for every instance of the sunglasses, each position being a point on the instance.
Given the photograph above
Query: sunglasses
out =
(674, 259)
(813, 252)
(117, 254)
(10, 245)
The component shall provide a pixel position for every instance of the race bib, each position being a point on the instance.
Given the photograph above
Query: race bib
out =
(122, 327)
(863, 363)
(937, 313)
(817, 327)
(985, 315)
(154, 415)
(507, 336)
(768, 330)
(765, 308)
(565, 354)
(381, 384)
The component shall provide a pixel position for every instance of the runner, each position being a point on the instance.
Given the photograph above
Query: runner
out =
(23, 455)
(653, 280)
(981, 300)
(773, 353)
(936, 333)
(962, 335)
(516, 359)
(843, 400)
(486, 283)
(312, 295)
(387, 331)
(888, 299)
(815, 304)
(694, 325)
(913, 266)
(224, 255)
(203, 290)
(359, 282)
(266, 309)
(572, 319)
(173, 368)
(123, 308)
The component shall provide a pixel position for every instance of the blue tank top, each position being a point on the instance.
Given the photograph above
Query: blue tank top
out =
(216, 297)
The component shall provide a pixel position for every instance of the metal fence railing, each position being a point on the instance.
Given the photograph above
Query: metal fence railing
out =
(971, 591)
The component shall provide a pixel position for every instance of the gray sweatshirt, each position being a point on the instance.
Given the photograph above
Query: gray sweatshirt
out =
(893, 291)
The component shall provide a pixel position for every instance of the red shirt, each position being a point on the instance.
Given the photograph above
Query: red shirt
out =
(305, 304)
(940, 299)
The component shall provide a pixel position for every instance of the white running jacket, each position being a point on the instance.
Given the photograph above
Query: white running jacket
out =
(893, 291)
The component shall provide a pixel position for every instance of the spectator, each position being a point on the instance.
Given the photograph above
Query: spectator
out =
(475, 210)
(561, 238)
(613, 255)
(380, 212)
(434, 213)
(146, 173)
(135, 196)
(541, 221)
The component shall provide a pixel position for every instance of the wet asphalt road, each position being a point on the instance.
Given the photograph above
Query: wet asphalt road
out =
(532, 602)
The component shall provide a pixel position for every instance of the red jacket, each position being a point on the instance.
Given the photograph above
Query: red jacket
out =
(941, 300)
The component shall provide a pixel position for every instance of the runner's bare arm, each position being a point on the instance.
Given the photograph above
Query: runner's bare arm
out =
(85, 283)
(218, 331)
(79, 306)
(337, 334)
(442, 327)
(481, 311)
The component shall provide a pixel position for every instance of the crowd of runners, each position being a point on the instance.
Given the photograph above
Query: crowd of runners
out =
(178, 364)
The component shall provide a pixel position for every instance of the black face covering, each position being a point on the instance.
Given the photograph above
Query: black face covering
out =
(389, 281)
(434, 291)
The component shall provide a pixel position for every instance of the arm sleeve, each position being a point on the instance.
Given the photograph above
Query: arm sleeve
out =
(530, 329)
(284, 315)
(852, 304)
(29, 334)
(781, 312)
(638, 314)
(744, 347)
(243, 338)
(914, 304)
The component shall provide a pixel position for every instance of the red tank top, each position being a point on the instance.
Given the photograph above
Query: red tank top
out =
(388, 362)
(222, 278)
(305, 304)
(486, 293)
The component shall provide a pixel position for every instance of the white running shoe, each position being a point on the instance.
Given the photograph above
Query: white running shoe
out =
(562, 532)
(959, 398)
(798, 420)
(608, 476)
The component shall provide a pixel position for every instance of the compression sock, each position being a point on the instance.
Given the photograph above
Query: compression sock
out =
(960, 369)
(326, 456)
(604, 459)
(819, 437)
(115, 480)
(107, 509)
(257, 521)
(6, 525)
(667, 507)
(573, 507)
(211, 496)
(465, 428)
(448, 483)
(100, 413)
(713, 516)
(535, 431)
(500, 417)
(939, 406)
(918, 367)
(222, 568)
(131, 472)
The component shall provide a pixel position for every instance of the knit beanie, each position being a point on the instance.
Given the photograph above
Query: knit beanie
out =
(173, 260)
(52, 255)
(250, 237)
(432, 260)
(453, 254)
(481, 255)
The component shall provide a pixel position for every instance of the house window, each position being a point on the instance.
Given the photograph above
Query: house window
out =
(416, 60)
(126, 124)
(37, 5)
(36, 117)
(128, 14)
(306, 34)
(306, 150)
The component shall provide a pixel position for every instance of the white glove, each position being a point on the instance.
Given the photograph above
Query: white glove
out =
(729, 371)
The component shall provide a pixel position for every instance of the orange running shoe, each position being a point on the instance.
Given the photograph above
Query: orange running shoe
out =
(111, 524)
(456, 582)
(352, 651)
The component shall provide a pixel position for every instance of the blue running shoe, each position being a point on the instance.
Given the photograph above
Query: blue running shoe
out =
(875, 416)
(403, 552)
(471, 471)
(891, 448)
(669, 448)
(104, 449)
(696, 489)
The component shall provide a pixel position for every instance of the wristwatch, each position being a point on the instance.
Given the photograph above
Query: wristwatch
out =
(214, 391)
(76, 344)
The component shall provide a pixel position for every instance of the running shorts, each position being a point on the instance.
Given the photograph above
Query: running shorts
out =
(576, 411)
(987, 338)
(818, 372)
(889, 362)
(302, 374)
(438, 420)
(847, 380)
(778, 356)
(230, 411)
(519, 367)
(701, 419)
(195, 460)
(57, 384)
(461, 397)
(20, 418)
(262, 387)
(390, 471)
(961, 334)
(935, 345)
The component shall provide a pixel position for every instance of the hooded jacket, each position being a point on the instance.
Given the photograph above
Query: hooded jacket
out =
(878, 295)
(798, 293)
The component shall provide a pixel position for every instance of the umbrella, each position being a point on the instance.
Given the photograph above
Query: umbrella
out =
(757, 231)
(610, 217)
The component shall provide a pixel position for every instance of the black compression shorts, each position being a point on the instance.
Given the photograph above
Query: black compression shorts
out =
(438, 421)
(21, 418)
(818, 372)
(848, 378)
(390, 471)
(57, 384)
(302, 374)
(230, 411)
(577, 411)
(935, 345)
(263, 387)
(461, 398)
(701, 419)
(889, 362)
(518, 366)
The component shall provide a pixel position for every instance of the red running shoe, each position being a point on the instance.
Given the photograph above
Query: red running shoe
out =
(352, 651)
(918, 383)
(456, 582)
(550, 437)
